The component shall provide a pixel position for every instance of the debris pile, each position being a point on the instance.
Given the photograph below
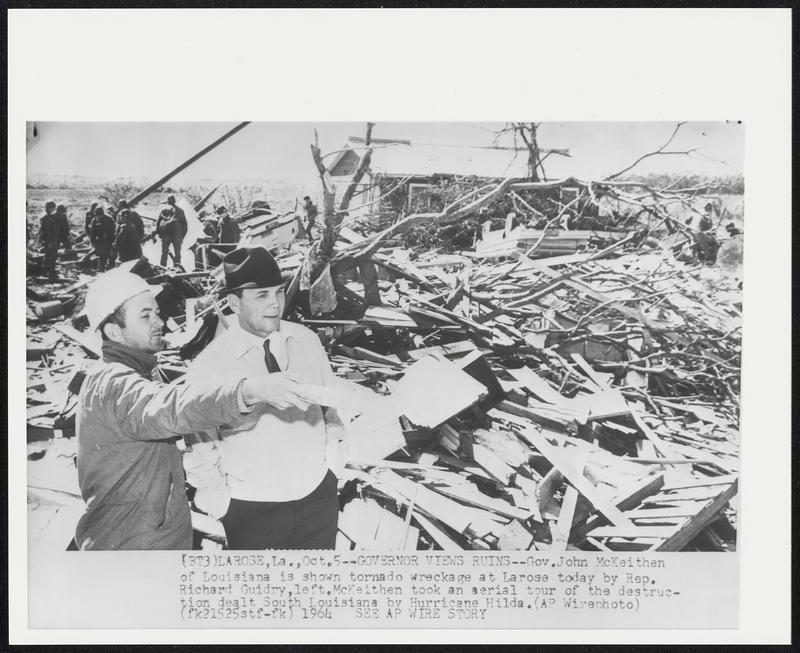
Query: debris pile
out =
(585, 400)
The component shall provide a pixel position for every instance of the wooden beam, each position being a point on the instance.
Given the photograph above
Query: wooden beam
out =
(565, 517)
(650, 434)
(578, 481)
(656, 532)
(436, 533)
(694, 525)
(631, 497)
(699, 482)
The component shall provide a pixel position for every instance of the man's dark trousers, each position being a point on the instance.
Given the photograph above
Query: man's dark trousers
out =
(176, 241)
(307, 523)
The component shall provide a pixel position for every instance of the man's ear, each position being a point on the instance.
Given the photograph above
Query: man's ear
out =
(113, 331)
(233, 302)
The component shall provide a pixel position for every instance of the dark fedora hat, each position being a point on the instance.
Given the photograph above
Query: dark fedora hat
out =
(250, 267)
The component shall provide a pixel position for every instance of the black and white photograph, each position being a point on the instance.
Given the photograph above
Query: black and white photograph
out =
(476, 346)
(311, 346)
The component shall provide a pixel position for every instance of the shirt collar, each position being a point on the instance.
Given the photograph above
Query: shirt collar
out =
(244, 341)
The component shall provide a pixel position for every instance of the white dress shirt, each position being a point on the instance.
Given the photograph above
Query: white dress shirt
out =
(268, 454)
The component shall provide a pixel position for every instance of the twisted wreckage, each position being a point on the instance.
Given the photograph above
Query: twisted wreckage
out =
(583, 397)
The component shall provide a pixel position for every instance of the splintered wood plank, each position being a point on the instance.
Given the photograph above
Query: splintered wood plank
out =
(514, 537)
(359, 522)
(539, 386)
(686, 494)
(493, 464)
(554, 416)
(603, 404)
(600, 380)
(634, 532)
(677, 511)
(628, 498)
(694, 525)
(597, 543)
(645, 449)
(445, 510)
(565, 517)
(394, 535)
(469, 468)
(650, 434)
(530, 494)
(691, 482)
(365, 354)
(432, 391)
(375, 433)
(436, 533)
(560, 460)
(468, 493)
(445, 350)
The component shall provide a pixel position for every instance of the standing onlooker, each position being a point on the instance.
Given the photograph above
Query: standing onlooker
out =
(101, 236)
(311, 215)
(66, 239)
(169, 231)
(133, 217)
(87, 220)
(210, 227)
(229, 232)
(126, 241)
(171, 227)
(50, 228)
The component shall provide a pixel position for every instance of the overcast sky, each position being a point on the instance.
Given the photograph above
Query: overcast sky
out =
(275, 151)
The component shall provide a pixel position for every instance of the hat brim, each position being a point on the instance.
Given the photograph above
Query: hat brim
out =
(155, 290)
(285, 278)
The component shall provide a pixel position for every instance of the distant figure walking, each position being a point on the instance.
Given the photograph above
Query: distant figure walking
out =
(101, 236)
(311, 215)
(171, 227)
(50, 236)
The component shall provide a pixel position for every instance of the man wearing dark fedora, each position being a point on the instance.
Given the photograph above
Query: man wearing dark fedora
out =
(266, 476)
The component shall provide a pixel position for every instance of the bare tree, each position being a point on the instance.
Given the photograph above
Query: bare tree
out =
(527, 132)
(361, 170)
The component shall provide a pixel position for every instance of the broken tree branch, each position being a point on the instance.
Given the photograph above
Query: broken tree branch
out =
(660, 150)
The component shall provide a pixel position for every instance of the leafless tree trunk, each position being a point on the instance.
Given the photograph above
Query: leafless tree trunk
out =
(527, 132)
(361, 170)
(321, 251)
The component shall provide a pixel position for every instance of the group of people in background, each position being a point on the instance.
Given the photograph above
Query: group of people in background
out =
(114, 234)
(117, 234)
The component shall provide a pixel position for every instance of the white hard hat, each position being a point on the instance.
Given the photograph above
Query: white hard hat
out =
(110, 291)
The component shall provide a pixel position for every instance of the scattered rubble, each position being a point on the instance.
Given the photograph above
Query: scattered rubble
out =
(547, 389)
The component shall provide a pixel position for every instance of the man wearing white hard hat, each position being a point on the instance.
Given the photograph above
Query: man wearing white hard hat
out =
(129, 468)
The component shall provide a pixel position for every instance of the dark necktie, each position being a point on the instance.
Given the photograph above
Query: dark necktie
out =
(269, 359)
